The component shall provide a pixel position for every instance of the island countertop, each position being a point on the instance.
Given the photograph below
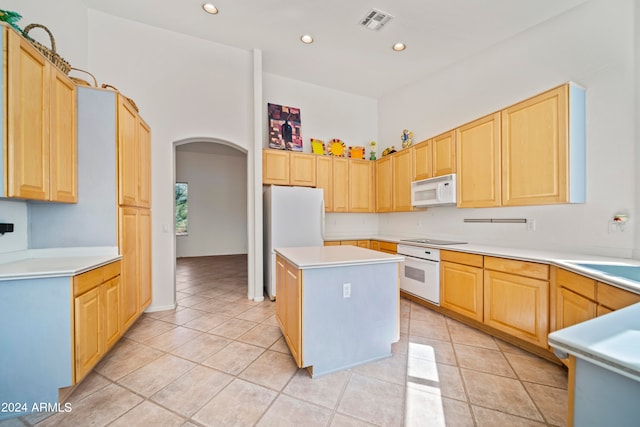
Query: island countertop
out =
(611, 341)
(333, 256)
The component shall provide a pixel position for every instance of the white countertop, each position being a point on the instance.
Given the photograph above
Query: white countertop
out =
(58, 262)
(566, 260)
(611, 341)
(334, 256)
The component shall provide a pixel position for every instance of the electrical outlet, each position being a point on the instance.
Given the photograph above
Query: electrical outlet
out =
(613, 227)
(531, 224)
(346, 290)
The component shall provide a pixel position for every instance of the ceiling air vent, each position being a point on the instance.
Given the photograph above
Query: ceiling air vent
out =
(375, 19)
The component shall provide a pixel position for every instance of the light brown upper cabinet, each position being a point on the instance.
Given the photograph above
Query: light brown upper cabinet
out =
(281, 167)
(40, 133)
(478, 163)
(361, 186)
(341, 184)
(324, 180)
(422, 160)
(384, 185)
(543, 149)
(444, 153)
(134, 157)
(402, 165)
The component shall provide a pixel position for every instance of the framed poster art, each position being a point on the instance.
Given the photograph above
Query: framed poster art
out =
(284, 127)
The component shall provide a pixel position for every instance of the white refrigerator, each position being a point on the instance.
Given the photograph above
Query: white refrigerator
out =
(293, 217)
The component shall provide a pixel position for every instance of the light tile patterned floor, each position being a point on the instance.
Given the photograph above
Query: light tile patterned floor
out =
(220, 360)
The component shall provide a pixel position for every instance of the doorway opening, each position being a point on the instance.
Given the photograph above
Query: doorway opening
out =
(210, 213)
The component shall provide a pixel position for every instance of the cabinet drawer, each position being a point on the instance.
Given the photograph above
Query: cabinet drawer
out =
(521, 268)
(462, 258)
(349, 243)
(86, 281)
(364, 244)
(332, 243)
(615, 298)
(388, 247)
(581, 285)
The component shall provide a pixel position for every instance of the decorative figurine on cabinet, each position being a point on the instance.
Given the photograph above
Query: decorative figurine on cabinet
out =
(407, 138)
(389, 150)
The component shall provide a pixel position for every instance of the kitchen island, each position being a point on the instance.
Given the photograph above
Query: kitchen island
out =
(337, 306)
(604, 368)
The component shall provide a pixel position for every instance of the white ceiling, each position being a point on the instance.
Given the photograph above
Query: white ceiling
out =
(345, 55)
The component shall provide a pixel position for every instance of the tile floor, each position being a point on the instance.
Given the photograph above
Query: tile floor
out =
(220, 360)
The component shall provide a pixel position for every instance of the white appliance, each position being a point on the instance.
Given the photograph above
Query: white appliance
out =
(292, 217)
(420, 272)
(438, 191)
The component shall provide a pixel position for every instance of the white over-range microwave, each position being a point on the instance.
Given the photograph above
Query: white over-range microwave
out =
(438, 191)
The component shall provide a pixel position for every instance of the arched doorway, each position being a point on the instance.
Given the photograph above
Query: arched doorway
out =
(215, 173)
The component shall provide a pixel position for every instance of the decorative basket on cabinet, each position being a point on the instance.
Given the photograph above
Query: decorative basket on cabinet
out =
(49, 53)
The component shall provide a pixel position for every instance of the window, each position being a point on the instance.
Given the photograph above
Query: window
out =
(182, 209)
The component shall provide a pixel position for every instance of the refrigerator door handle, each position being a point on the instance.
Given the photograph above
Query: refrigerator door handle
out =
(322, 214)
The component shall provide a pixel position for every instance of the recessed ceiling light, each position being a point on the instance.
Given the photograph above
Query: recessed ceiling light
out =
(307, 39)
(399, 47)
(209, 8)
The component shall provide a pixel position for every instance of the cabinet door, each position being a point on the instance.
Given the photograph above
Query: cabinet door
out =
(128, 153)
(144, 164)
(340, 185)
(275, 167)
(402, 166)
(615, 298)
(294, 315)
(444, 154)
(422, 160)
(87, 332)
(111, 311)
(478, 163)
(461, 289)
(128, 243)
(63, 141)
(144, 258)
(324, 180)
(28, 120)
(535, 150)
(572, 308)
(517, 305)
(384, 185)
(302, 169)
(361, 186)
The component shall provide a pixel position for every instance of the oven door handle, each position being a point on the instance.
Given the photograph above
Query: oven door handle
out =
(420, 259)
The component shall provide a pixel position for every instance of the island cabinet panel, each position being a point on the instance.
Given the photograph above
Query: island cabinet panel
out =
(478, 163)
(517, 305)
(402, 166)
(543, 145)
(461, 289)
(422, 160)
(288, 307)
(324, 180)
(384, 185)
(361, 186)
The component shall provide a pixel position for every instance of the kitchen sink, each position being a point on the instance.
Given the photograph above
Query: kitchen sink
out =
(630, 272)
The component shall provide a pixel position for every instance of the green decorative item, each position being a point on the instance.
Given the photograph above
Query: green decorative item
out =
(11, 18)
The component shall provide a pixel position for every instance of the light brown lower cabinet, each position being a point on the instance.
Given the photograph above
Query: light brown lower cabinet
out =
(96, 316)
(288, 306)
(461, 283)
